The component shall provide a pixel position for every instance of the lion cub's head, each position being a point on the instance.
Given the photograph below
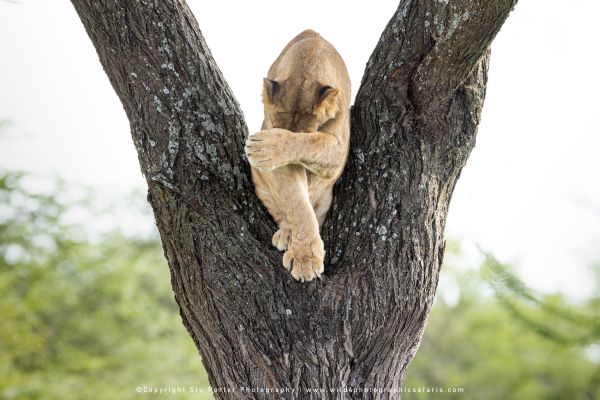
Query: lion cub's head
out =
(298, 105)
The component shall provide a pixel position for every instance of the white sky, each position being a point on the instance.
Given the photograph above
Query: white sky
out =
(530, 193)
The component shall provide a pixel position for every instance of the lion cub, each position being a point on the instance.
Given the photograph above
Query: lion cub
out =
(302, 147)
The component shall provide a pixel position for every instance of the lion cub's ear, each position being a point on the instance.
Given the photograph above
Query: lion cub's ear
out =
(271, 91)
(326, 106)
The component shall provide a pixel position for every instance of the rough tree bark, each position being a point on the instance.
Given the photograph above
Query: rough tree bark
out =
(414, 123)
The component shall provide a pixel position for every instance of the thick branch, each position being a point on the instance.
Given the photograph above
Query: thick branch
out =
(428, 50)
(178, 103)
(403, 166)
(459, 43)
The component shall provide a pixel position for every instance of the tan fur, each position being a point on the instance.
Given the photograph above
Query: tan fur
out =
(302, 147)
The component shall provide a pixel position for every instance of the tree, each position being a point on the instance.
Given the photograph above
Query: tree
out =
(414, 124)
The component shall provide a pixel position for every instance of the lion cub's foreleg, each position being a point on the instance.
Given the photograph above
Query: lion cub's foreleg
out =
(320, 153)
(284, 191)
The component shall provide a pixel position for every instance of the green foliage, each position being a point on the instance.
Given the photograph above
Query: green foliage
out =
(549, 316)
(83, 319)
(480, 345)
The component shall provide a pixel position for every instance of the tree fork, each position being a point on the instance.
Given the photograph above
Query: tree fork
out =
(414, 124)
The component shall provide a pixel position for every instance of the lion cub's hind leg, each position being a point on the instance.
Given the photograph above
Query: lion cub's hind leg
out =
(283, 236)
(322, 205)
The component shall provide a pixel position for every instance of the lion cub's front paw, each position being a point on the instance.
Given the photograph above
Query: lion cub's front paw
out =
(282, 238)
(269, 149)
(305, 262)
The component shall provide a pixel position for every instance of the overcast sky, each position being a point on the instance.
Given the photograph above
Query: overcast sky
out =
(530, 192)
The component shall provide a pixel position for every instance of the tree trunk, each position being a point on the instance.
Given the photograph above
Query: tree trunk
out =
(413, 126)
